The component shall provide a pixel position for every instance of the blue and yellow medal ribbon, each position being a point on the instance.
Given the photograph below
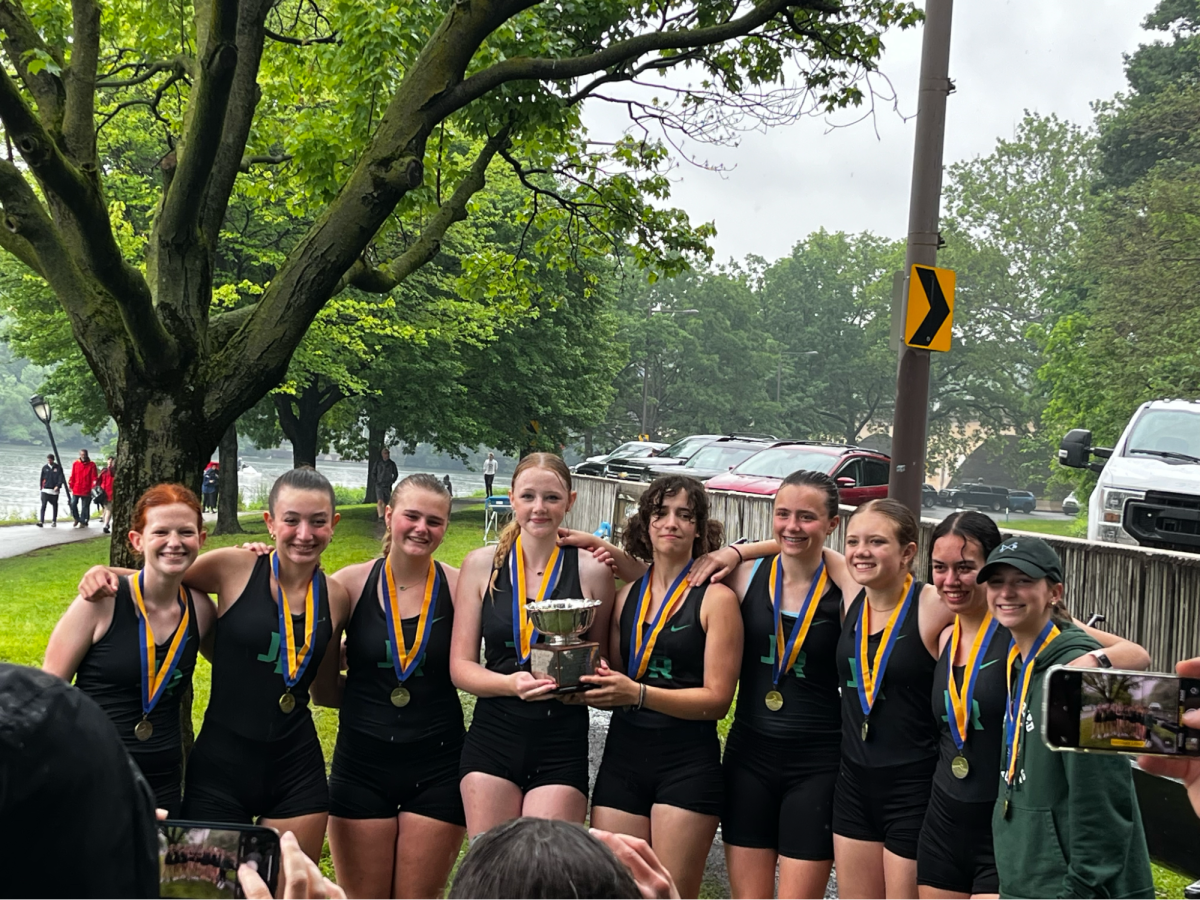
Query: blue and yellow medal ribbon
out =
(786, 653)
(295, 661)
(524, 634)
(870, 677)
(1015, 710)
(155, 679)
(404, 659)
(958, 702)
(641, 645)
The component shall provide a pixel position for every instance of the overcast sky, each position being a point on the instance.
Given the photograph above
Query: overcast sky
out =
(1047, 56)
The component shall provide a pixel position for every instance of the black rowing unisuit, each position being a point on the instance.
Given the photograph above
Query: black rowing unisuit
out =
(433, 706)
(111, 674)
(247, 670)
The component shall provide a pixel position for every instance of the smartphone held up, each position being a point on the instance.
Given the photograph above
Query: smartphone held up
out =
(198, 859)
(1116, 711)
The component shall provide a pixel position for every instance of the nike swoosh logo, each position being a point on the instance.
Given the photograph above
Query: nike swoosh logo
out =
(988, 663)
(439, 618)
(681, 627)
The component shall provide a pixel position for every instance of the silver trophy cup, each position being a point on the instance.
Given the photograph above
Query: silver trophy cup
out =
(563, 657)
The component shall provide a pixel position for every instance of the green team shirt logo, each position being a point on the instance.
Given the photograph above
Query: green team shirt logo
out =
(272, 654)
(659, 667)
(976, 717)
(390, 661)
(769, 659)
(853, 682)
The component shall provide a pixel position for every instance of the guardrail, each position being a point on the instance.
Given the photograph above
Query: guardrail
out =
(1149, 596)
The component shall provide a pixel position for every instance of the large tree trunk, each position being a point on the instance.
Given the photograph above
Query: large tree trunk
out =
(229, 494)
(300, 418)
(159, 439)
(375, 435)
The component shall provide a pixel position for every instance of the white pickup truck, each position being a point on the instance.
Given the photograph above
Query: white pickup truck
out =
(1149, 488)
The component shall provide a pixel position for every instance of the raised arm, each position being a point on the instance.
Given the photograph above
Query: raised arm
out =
(625, 566)
(717, 565)
(1121, 653)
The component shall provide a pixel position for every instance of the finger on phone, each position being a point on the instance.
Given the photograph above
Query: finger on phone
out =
(252, 885)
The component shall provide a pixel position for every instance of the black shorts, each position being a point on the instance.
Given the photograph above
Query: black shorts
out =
(231, 778)
(529, 752)
(374, 779)
(955, 851)
(672, 766)
(163, 771)
(779, 793)
(885, 804)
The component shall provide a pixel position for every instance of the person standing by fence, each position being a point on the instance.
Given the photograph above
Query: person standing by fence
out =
(51, 483)
(489, 473)
(83, 478)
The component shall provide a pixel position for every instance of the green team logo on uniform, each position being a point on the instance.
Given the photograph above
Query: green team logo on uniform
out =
(659, 667)
(976, 718)
(388, 663)
(797, 666)
(272, 654)
(853, 682)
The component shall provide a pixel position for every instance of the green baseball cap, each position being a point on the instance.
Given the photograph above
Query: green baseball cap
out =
(1031, 555)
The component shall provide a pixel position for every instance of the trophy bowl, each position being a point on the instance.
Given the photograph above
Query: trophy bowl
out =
(562, 620)
(563, 657)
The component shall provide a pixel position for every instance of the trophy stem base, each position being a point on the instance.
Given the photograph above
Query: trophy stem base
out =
(565, 664)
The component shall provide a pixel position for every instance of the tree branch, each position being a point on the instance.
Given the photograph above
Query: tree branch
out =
(302, 42)
(21, 39)
(618, 54)
(79, 82)
(263, 160)
(426, 247)
(152, 70)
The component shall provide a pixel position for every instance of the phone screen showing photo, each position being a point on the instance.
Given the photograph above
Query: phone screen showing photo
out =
(202, 861)
(1133, 713)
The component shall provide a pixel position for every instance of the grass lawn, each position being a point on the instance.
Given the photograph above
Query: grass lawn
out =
(1061, 527)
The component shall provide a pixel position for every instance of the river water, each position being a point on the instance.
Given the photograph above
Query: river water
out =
(21, 466)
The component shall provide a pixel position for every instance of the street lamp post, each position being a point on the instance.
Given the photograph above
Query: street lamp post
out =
(41, 409)
(656, 308)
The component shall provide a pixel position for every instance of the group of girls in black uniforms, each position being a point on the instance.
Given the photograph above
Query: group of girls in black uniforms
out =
(807, 777)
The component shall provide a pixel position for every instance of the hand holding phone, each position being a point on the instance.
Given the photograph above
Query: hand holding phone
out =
(1186, 770)
(299, 876)
(205, 859)
(1116, 711)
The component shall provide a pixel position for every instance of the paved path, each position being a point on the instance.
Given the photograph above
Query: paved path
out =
(18, 539)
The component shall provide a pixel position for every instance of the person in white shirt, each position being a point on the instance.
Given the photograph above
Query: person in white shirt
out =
(489, 472)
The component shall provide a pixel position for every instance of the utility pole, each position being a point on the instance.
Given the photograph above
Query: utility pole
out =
(911, 417)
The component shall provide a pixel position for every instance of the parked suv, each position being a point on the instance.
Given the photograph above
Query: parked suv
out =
(983, 496)
(1148, 492)
(861, 474)
(675, 455)
(595, 465)
(1022, 501)
(716, 458)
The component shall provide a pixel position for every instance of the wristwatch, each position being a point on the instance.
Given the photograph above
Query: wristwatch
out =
(1102, 659)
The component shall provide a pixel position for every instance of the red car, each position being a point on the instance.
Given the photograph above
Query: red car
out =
(861, 474)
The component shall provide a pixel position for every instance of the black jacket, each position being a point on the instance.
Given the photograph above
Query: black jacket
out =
(52, 477)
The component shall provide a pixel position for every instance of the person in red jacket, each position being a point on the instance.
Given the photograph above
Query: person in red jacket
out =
(83, 478)
(104, 501)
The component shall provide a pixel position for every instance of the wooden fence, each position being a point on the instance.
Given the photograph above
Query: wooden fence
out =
(1149, 596)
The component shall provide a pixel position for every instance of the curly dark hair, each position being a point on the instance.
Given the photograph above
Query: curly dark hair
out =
(710, 533)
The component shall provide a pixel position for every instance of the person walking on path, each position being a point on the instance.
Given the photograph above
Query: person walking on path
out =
(383, 477)
(489, 473)
(209, 485)
(84, 477)
(104, 497)
(51, 483)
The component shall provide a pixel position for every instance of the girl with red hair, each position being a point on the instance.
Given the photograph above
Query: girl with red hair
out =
(134, 653)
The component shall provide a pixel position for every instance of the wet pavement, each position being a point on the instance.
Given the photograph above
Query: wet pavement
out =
(18, 539)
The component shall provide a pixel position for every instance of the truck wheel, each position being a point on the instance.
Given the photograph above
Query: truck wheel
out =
(995, 506)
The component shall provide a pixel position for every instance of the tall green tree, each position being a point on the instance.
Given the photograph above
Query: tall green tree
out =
(238, 84)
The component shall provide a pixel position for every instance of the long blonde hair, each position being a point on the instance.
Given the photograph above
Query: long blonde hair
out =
(417, 480)
(508, 536)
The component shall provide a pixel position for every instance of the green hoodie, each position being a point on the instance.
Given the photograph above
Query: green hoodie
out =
(1073, 828)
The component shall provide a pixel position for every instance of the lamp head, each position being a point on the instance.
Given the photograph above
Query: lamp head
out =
(41, 408)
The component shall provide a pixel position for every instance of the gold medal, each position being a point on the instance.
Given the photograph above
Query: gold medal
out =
(774, 701)
(143, 729)
(287, 702)
(401, 696)
(865, 729)
(959, 767)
